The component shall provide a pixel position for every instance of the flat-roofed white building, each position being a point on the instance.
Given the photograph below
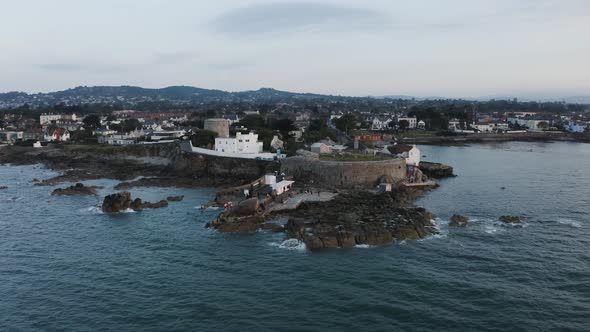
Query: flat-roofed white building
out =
(241, 144)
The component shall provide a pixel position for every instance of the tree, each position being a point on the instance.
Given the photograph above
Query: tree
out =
(91, 122)
(543, 125)
(403, 124)
(346, 122)
(203, 138)
(111, 118)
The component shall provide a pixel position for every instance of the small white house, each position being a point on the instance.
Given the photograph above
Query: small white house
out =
(278, 183)
(241, 144)
(409, 152)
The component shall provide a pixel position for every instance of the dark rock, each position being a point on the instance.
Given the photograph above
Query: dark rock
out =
(459, 221)
(246, 207)
(157, 205)
(511, 219)
(117, 202)
(122, 201)
(3, 187)
(436, 170)
(78, 189)
(275, 228)
(175, 198)
(359, 218)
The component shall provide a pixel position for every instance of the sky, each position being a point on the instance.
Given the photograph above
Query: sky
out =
(450, 48)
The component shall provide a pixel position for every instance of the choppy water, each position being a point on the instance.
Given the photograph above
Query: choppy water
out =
(66, 266)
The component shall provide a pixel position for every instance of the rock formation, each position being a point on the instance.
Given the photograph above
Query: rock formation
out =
(3, 187)
(436, 170)
(458, 221)
(122, 201)
(511, 219)
(78, 189)
(350, 219)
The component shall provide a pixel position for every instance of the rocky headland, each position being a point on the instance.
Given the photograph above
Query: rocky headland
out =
(352, 218)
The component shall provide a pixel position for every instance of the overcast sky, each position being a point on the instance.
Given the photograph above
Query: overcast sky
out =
(451, 48)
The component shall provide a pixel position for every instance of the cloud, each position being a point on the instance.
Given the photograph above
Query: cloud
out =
(78, 68)
(169, 58)
(268, 19)
(61, 67)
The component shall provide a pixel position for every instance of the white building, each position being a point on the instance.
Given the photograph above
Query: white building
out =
(412, 122)
(7, 136)
(278, 183)
(409, 152)
(241, 144)
(45, 119)
(166, 135)
(485, 127)
(532, 125)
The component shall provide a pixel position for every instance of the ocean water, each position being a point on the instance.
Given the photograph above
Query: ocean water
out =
(66, 266)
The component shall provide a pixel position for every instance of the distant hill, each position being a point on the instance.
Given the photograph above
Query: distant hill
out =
(131, 95)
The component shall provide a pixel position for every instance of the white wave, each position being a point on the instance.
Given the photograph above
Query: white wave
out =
(573, 223)
(128, 211)
(491, 229)
(364, 246)
(91, 210)
(209, 208)
(290, 244)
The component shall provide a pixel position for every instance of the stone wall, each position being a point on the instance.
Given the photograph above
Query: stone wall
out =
(344, 175)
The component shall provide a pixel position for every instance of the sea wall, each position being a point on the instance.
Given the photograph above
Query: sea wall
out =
(192, 164)
(343, 175)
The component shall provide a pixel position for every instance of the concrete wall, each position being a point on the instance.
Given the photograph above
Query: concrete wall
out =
(345, 175)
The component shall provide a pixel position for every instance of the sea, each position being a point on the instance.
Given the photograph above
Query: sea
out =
(66, 266)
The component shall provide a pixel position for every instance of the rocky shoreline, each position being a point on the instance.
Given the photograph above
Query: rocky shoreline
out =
(352, 218)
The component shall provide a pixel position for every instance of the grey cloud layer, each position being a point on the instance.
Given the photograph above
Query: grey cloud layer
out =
(264, 19)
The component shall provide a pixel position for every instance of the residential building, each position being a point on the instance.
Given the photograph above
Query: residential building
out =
(241, 144)
(321, 148)
(412, 122)
(10, 137)
(409, 152)
(56, 135)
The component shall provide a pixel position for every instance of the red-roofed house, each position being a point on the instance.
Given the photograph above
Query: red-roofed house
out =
(56, 135)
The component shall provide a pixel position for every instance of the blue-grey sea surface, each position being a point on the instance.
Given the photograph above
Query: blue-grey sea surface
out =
(66, 266)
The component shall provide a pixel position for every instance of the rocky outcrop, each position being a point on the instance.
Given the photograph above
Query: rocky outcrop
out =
(436, 170)
(122, 201)
(458, 221)
(351, 219)
(78, 189)
(3, 187)
(511, 219)
(117, 202)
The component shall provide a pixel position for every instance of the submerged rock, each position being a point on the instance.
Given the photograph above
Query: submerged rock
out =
(175, 198)
(3, 187)
(458, 221)
(511, 219)
(78, 189)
